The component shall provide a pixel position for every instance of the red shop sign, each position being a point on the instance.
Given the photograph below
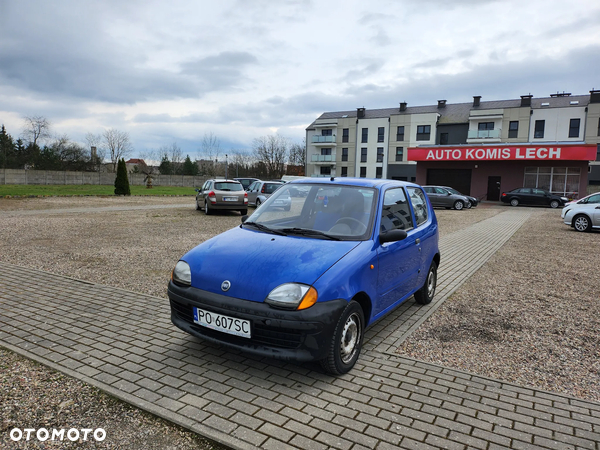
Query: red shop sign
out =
(504, 153)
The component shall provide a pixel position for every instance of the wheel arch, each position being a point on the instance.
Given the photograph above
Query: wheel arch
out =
(365, 303)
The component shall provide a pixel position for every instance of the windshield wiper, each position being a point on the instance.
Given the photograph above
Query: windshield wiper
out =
(264, 228)
(309, 232)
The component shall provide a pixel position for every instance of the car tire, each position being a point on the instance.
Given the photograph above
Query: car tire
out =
(243, 212)
(554, 204)
(257, 202)
(514, 202)
(469, 205)
(346, 342)
(424, 296)
(581, 222)
(458, 205)
(198, 206)
(207, 210)
(287, 208)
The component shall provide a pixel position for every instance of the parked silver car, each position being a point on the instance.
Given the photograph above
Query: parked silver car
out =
(442, 197)
(259, 191)
(219, 195)
(582, 218)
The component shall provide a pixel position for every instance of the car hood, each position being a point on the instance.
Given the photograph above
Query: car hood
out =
(255, 262)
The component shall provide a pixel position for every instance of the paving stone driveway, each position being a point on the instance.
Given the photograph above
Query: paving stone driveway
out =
(124, 343)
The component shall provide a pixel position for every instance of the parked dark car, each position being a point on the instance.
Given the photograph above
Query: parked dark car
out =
(307, 282)
(246, 182)
(219, 195)
(472, 200)
(533, 196)
(442, 197)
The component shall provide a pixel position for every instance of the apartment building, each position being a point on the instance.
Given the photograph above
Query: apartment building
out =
(481, 148)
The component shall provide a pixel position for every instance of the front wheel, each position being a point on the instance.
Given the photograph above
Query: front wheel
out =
(425, 295)
(458, 205)
(554, 204)
(346, 342)
(582, 223)
(514, 202)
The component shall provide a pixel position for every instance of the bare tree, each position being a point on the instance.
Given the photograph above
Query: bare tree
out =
(210, 150)
(272, 151)
(118, 145)
(298, 153)
(36, 128)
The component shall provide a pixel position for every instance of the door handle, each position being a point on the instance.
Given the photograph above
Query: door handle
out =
(417, 241)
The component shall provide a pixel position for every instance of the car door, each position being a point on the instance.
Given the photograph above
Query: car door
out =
(202, 194)
(433, 196)
(444, 198)
(253, 192)
(539, 197)
(399, 262)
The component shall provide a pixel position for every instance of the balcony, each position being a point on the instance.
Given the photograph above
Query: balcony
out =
(322, 158)
(323, 140)
(484, 135)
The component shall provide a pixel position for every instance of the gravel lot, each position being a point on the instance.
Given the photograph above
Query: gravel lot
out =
(530, 315)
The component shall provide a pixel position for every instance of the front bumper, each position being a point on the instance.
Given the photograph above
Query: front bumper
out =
(289, 335)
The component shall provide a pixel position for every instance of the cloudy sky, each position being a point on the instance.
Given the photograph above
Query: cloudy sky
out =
(174, 71)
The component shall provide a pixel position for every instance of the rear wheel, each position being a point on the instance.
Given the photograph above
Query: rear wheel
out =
(346, 342)
(514, 202)
(458, 205)
(582, 223)
(554, 204)
(424, 295)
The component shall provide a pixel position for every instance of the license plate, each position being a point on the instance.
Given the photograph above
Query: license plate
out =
(219, 322)
(230, 199)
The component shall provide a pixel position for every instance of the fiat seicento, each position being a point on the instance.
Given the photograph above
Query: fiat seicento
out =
(303, 284)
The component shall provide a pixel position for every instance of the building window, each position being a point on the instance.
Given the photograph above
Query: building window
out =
(325, 151)
(538, 132)
(326, 132)
(598, 127)
(574, 128)
(399, 153)
(365, 135)
(325, 170)
(598, 152)
(379, 154)
(344, 171)
(363, 155)
(423, 132)
(378, 172)
(558, 180)
(363, 172)
(485, 126)
(513, 129)
(380, 134)
(443, 138)
(345, 134)
(344, 154)
(400, 133)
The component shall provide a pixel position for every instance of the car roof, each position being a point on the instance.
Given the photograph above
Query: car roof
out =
(378, 183)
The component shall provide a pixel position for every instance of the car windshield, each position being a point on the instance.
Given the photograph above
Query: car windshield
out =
(318, 211)
(228, 186)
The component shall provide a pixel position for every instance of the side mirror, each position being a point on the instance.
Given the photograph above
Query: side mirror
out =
(392, 236)
(244, 218)
(197, 190)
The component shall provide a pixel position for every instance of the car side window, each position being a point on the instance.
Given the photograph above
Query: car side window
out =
(429, 190)
(593, 199)
(395, 213)
(538, 192)
(440, 191)
(419, 203)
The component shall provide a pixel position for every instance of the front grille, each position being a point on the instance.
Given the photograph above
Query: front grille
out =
(261, 335)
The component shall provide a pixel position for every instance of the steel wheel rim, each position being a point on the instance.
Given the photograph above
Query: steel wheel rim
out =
(514, 202)
(554, 204)
(459, 206)
(350, 338)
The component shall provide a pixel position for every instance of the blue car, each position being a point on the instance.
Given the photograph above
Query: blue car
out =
(303, 284)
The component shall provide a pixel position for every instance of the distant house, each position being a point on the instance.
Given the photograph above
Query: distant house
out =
(133, 163)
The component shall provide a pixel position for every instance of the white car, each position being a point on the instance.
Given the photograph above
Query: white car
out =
(592, 198)
(583, 217)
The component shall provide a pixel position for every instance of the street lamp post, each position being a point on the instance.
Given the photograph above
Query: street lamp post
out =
(226, 166)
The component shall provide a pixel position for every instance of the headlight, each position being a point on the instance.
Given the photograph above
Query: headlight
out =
(182, 274)
(292, 296)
